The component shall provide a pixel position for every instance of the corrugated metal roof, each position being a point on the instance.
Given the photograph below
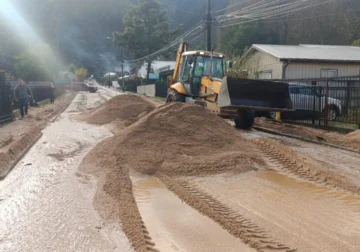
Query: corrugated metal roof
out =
(311, 52)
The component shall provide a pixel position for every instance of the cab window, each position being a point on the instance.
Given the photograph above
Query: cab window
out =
(186, 68)
(203, 64)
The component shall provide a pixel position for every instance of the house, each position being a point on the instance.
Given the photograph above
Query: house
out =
(156, 67)
(301, 61)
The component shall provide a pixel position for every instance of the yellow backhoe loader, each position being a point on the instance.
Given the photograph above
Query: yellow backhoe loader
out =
(199, 78)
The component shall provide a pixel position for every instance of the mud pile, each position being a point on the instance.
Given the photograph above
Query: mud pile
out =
(175, 139)
(179, 139)
(351, 140)
(13, 151)
(123, 110)
(5, 140)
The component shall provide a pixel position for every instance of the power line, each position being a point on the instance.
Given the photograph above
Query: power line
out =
(171, 44)
(284, 8)
(163, 50)
(278, 14)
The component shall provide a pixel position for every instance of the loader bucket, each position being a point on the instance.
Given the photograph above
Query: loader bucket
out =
(258, 95)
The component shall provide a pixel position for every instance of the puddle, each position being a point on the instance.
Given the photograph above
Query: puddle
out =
(175, 226)
(310, 188)
(142, 189)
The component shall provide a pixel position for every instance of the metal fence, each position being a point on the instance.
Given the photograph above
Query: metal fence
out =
(325, 103)
(5, 102)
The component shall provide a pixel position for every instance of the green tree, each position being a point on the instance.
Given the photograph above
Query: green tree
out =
(146, 30)
(37, 63)
(71, 68)
(236, 39)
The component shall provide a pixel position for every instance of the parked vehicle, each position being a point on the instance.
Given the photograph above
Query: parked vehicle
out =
(308, 101)
(84, 86)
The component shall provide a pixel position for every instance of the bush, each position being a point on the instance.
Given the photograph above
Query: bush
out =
(131, 84)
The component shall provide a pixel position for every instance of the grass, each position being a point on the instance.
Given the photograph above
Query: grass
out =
(163, 99)
(344, 125)
(44, 102)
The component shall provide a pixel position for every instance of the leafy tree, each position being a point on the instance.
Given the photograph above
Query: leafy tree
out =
(146, 30)
(236, 39)
(36, 63)
(71, 68)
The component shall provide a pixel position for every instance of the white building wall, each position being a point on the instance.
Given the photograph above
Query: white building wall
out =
(259, 62)
(313, 70)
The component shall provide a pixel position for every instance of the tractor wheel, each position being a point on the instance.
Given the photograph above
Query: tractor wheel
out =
(174, 96)
(244, 120)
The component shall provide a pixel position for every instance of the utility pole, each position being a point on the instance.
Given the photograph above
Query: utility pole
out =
(208, 24)
(122, 70)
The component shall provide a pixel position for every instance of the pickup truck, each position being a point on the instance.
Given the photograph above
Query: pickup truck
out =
(304, 97)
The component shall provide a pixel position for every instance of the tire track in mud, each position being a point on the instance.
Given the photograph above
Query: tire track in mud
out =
(230, 220)
(150, 245)
(289, 162)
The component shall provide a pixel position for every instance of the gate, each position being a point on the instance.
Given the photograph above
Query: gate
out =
(325, 103)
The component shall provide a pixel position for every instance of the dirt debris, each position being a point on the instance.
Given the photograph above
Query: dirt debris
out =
(6, 140)
(13, 151)
(351, 140)
(183, 139)
(303, 168)
(123, 109)
(175, 139)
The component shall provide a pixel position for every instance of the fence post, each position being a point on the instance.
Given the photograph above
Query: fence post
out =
(320, 103)
(314, 101)
(326, 114)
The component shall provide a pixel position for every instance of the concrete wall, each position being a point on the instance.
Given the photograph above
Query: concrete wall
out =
(313, 70)
(148, 90)
(115, 84)
(259, 62)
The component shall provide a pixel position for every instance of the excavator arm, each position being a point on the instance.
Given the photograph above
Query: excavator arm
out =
(182, 48)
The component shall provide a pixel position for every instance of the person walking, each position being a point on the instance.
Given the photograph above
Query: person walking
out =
(52, 94)
(21, 95)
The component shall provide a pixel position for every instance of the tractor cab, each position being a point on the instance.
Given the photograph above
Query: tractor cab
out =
(197, 64)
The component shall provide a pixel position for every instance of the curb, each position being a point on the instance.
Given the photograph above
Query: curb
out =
(23, 153)
(53, 119)
(304, 139)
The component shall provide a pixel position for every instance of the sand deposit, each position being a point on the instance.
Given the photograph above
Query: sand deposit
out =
(175, 139)
(124, 110)
(351, 140)
(11, 152)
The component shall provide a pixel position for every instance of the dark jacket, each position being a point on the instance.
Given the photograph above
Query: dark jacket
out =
(22, 92)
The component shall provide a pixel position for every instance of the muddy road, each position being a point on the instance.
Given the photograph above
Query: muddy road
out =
(300, 197)
(45, 204)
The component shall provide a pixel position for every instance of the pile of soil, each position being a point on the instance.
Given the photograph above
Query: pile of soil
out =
(5, 140)
(179, 139)
(351, 140)
(123, 110)
(173, 140)
(9, 154)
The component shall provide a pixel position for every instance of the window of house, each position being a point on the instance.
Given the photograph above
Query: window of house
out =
(329, 73)
(264, 75)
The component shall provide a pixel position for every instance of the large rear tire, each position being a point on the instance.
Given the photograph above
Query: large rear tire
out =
(175, 96)
(244, 120)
